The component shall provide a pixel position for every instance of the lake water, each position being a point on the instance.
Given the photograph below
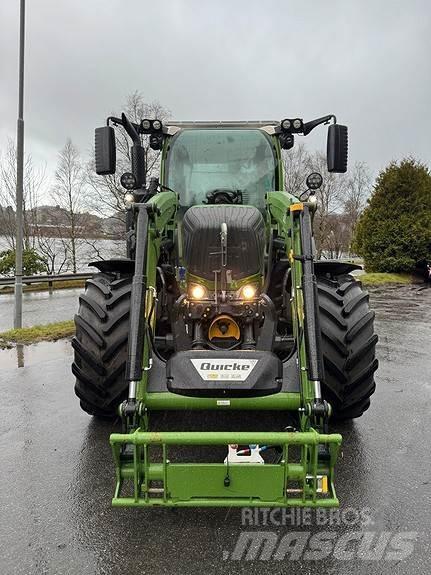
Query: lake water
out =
(87, 251)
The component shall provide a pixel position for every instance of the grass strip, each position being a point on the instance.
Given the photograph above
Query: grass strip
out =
(27, 335)
(380, 279)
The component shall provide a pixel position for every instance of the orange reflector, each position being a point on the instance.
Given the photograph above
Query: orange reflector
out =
(297, 207)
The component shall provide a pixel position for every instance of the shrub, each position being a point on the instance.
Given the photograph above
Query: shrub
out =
(394, 231)
(32, 263)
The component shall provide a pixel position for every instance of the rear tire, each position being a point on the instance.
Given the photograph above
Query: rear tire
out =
(348, 345)
(100, 343)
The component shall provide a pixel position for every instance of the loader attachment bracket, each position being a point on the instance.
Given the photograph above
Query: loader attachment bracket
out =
(301, 477)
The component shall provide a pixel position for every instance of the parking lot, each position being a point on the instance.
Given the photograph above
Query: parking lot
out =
(58, 477)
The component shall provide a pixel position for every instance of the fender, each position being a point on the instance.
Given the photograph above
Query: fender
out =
(120, 265)
(334, 267)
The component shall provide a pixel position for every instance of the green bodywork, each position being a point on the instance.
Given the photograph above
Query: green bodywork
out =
(144, 479)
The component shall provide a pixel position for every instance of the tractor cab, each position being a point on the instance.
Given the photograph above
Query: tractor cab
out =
(221, 165)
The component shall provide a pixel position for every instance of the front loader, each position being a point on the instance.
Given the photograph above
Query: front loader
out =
(220, 308)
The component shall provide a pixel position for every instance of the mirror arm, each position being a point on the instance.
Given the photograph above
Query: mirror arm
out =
(131, 130)
(308, 126)
(120, 122)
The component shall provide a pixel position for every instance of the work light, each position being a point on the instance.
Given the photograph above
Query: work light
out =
(314, 181)
(128, 181)
(157, 125)
(146, 124)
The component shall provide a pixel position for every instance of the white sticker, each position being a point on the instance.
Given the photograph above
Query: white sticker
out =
(223, 402)
(224, 369)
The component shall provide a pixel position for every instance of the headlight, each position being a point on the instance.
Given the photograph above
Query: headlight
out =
(248, 292)
(157, 125)
(146, 124)
(197, 291)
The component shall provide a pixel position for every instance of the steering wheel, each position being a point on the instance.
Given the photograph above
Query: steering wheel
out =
(224, 196)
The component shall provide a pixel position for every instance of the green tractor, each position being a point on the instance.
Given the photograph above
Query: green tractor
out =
(220, 306)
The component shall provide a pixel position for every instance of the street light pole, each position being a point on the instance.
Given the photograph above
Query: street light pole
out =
(19, 175)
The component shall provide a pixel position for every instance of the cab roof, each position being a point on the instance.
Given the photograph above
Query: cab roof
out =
(268, 126)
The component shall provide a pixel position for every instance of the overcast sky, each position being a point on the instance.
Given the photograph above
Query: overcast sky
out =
(368, 62)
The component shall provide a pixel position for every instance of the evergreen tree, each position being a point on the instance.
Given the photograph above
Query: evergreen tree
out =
(394, 231)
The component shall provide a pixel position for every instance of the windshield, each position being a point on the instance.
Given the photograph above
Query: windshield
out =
(201, 161)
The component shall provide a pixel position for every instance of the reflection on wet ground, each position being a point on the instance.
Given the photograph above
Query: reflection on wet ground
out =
(401, 301)
(39, 353)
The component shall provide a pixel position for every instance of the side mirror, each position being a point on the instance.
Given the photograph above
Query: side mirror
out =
(337, 149)
(105, 150)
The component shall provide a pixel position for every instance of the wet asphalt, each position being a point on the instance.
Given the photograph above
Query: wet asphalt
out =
(40, 307)
(57, 476)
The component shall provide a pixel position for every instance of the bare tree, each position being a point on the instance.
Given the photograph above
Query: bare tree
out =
(54, 251)
(296, 164)
(357, 190)
(68, 193)
(33, 182)
(107, 194)
(337, 240)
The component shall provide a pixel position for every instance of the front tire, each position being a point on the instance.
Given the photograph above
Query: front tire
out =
(348, 345)
(100, 343)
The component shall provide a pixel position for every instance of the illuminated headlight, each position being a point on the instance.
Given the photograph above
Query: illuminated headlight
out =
(157, 125)
(285, 124)
(248, 292)
(197, 291)
(312, 199)
(146, 124)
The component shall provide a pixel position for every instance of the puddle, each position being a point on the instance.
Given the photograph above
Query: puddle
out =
(38, 353)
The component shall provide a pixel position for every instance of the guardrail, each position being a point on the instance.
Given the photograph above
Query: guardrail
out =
(49, 279)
